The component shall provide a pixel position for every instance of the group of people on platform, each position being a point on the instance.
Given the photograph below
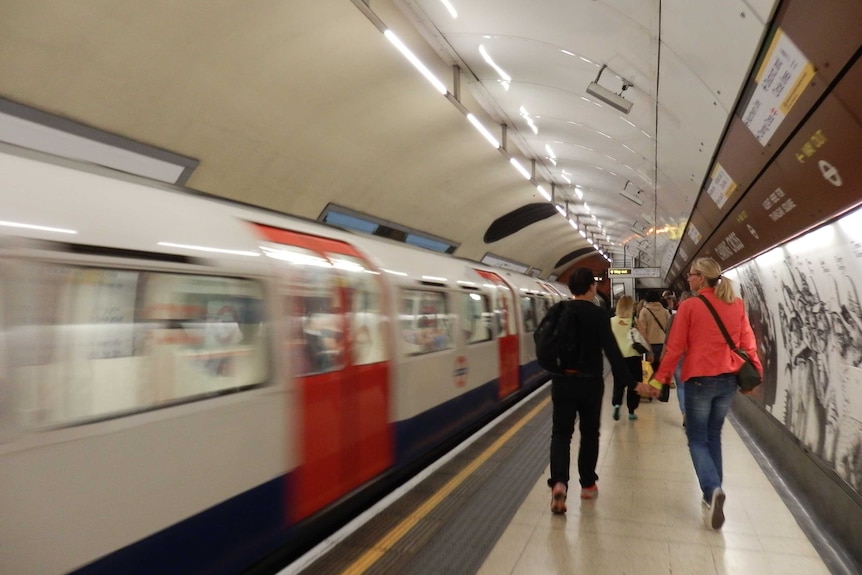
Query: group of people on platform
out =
(684, 347)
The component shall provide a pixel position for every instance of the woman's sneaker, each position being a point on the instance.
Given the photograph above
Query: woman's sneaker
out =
(714, 510)
(558, 498)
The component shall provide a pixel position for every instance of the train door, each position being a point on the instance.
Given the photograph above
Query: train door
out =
(338, 352)
(507, 335)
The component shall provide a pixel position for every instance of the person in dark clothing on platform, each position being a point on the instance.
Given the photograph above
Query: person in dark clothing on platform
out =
(579, 392)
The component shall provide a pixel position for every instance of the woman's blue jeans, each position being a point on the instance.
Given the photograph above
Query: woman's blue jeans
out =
(707, 401)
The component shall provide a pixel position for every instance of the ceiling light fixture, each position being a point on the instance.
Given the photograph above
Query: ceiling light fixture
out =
(607, 96)
(483, 130)
(635, 197)
(521, 169)
(417, 63)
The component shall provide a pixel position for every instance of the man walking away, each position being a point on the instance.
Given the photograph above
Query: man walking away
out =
(579, 392)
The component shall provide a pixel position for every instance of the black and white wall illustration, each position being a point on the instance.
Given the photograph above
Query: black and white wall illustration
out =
(804, 303)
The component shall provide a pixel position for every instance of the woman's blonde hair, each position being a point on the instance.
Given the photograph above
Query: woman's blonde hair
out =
(711, 272)
(624, 306)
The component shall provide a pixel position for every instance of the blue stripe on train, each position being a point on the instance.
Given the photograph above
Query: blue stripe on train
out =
(417, 435)
(232, 535)
(224, 539)
(413, 437)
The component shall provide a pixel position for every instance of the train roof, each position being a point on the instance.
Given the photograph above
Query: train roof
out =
(62, 202)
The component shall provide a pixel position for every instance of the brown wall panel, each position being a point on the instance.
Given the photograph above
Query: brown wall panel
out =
(817, 176)
(849, 90)
(829, 35)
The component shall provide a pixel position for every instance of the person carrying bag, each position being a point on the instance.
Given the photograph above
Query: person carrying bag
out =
(709, 369)
(747, 378)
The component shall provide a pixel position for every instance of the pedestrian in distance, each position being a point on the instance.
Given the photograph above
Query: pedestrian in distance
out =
(652, 322)
(624, 331)
(709, 369)
(578, 392)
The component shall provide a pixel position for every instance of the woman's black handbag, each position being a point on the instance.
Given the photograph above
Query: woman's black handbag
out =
(747, 378)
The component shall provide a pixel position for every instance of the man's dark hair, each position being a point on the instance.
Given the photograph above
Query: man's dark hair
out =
(653, 295)
(581, 280)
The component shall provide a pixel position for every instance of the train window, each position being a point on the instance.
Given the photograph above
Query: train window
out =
(543, 304)
(528, 313)
(315, 319)
(503, 306)
(476, 317)
(367, 326)
(424, 322)
(95, 343)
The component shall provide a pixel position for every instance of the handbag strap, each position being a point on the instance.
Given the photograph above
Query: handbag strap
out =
(656, 319)
(718, 321)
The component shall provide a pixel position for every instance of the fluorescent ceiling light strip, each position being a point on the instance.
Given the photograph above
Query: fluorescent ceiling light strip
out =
(209, 249)
(544, 193)
(451, 9)
(483, 130)
(523, 171)
(561, 210)
(35, 227)
(415, 61)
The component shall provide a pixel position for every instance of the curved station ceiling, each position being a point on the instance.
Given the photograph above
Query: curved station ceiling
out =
(539, 133)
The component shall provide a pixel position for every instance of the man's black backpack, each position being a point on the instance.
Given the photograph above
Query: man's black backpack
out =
(557, 342)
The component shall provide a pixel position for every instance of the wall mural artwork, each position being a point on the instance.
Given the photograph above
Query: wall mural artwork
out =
(804, 304)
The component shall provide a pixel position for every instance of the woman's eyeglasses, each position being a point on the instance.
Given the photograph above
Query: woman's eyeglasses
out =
(694, 274)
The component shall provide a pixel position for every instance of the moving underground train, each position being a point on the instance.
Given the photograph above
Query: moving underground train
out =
(189, 385)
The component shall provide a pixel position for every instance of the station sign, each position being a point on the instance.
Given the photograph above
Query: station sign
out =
(634, 272)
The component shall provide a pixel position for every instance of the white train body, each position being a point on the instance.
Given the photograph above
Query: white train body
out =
(187, 383)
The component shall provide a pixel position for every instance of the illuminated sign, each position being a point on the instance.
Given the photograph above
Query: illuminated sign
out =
(635, 272)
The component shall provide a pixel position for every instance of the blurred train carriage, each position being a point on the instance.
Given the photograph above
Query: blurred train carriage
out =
(188, 385)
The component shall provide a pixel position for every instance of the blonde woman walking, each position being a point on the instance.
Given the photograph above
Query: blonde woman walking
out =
(709, 369)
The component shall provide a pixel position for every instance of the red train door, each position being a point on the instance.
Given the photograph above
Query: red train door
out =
(504, 307)
(337, 350)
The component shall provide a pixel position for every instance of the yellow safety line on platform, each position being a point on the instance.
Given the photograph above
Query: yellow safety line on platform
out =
(386, 543)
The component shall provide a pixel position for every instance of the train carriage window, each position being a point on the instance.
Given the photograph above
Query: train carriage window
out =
(543, 304)
(365, 312)
(476, 319)
(528, 313)
(94, 343)
(315, 318)
(424, 322)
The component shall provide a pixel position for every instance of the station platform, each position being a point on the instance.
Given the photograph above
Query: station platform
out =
(485, 509)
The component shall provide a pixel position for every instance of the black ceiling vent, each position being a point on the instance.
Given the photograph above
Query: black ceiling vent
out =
(517, 220)
(573, 255)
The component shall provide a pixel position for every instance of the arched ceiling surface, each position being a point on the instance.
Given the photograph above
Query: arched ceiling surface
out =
(293, 105)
